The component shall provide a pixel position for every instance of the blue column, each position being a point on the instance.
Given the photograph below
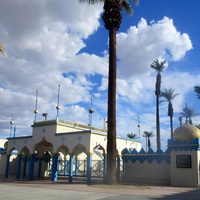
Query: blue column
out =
(40, 166)
(31, 166)
(71, 160)
(89, 167)
(24, 168)
(104, 164)
(54, 176)
(118, 168)
(7, 165)
(19, 165)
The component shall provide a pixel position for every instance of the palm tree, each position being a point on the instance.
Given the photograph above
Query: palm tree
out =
(131, 135)
(1, 49)
(197, 90)
(112, 19)
(159, 67)
(148, 135)
(169, 96)
(188, 113)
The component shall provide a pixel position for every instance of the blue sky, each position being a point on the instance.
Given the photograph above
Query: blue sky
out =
(50, 42)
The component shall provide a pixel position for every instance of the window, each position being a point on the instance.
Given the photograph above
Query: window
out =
(183, 161)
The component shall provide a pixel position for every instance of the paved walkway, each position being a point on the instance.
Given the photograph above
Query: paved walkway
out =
(12, 189)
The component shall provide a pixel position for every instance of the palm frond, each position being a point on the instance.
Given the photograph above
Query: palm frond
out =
(131, 135)
(124, 3)
(159, 66)
(1, 49)
(168, 94)
(148, 134)
(189, 113)
(90, 1)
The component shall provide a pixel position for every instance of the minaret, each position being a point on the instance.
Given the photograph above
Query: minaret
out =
(58, 101)
(36, 102)
(90, 114)
(11, 124)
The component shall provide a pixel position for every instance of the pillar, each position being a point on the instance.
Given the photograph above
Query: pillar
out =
(31, 166)
(24, 167)
(104, 164)
(7, 165)
(71, 160)
(19, 157)
(54, 176)
(89, 167)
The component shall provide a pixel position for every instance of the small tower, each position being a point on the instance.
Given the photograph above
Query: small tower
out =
(58, 101)
(36, 102)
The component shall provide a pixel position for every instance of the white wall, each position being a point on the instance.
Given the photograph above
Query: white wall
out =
(185, 177)
(147, 173)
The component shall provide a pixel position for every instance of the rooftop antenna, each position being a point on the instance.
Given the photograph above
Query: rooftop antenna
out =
(15, 128)
(11, 124)
(58, 102)
(90, 113)
(36, 102)
(138, 127)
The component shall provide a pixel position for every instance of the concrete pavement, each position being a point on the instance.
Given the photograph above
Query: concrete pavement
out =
(12, 189)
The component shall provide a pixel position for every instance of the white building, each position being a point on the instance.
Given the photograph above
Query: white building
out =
(62, 147)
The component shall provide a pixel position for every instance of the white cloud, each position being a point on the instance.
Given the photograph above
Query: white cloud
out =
(142, 44)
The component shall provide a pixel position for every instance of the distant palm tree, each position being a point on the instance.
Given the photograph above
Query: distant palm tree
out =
(169, 96)
(131, 135)
(197, 90)
(112, 18)
(1, 49)
(148, 135)
(159, 66)
(188, 113)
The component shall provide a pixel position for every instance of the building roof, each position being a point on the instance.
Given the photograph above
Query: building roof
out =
(186, 133)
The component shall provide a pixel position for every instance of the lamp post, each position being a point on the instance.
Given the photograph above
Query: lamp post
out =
(58, 101)
(90, 114)
(36, 102)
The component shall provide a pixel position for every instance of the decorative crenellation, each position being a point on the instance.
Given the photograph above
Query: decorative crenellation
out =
(191, 145)
(142, 155)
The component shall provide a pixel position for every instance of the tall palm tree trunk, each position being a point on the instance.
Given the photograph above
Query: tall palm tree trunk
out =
(149, 143)
(171, 126)
(111, 177)
(158, 122)
(170, 114)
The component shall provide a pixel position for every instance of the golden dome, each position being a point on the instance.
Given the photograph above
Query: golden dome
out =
(186, 133)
